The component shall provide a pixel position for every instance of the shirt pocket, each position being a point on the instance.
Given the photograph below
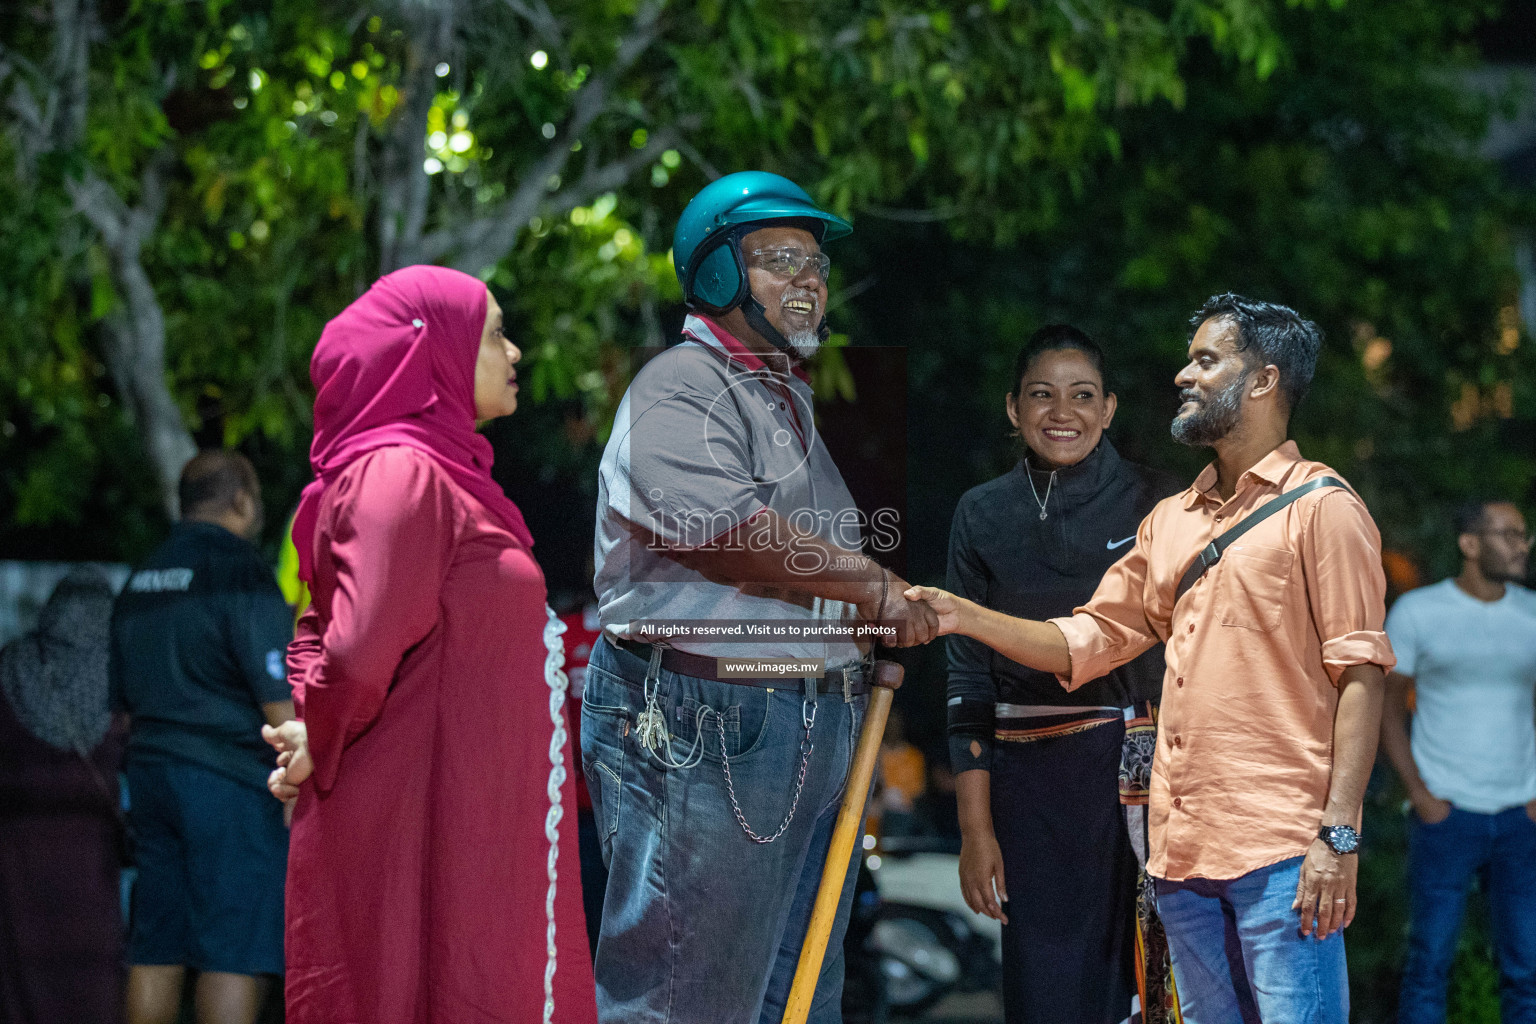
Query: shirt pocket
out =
(1254, 581)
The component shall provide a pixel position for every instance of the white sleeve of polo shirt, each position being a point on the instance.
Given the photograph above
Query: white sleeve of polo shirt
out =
(1402, 631)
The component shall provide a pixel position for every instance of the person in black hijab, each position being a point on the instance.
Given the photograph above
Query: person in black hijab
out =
(1045, 845)
(61, 930)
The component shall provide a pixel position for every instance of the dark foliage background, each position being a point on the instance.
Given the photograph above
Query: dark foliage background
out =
(188, 191)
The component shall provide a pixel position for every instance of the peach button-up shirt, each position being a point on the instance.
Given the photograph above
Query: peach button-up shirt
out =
(1254, 654)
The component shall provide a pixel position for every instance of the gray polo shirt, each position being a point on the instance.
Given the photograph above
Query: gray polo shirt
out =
(706, 438)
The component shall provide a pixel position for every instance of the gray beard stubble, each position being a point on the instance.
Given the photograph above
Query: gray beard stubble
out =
(804, 344)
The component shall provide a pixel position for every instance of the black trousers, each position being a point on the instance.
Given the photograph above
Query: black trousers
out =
(1070, 943)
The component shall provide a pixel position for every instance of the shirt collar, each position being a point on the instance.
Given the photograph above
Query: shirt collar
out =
(711, 335)
(1274, 467)
(1271, 469)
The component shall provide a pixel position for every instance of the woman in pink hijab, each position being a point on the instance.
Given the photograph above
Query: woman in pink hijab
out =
(428, 878)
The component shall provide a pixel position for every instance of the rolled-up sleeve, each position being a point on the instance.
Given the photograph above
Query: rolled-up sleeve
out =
(1346, 585)
(1112, 628)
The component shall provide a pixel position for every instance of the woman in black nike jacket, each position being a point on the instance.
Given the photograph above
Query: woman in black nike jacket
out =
(1045, 846)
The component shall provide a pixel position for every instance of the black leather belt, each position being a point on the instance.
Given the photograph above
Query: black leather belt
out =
(850, 680)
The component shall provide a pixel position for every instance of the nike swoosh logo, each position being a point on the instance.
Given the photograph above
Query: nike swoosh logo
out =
(1111, 545)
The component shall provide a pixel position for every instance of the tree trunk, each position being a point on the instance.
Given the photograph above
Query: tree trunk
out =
(134, 333)
(52, 109)
(404, 185)
(135, 348)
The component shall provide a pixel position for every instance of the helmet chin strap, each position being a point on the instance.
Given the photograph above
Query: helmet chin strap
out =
(757, 317)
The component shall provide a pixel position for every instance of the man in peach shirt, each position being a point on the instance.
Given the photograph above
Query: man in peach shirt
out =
(1275, 669)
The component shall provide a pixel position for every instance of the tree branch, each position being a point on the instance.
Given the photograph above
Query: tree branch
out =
(405, 187)
(485, 240)
(545, 25)
(497, 228)
(51, 102)
(613, 174)
(647, 26)
(9, 57)
(102, 207)
(362, 185)
(851, 292)
(498, 237)
(698, 160)
(71, 66)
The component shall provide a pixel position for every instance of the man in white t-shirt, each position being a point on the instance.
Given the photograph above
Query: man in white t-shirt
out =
(1467, 646)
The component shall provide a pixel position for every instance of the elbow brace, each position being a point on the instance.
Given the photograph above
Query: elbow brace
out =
(971, 725)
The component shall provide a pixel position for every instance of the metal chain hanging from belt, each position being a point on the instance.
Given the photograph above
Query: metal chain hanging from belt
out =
(653, 735)
(808, 716)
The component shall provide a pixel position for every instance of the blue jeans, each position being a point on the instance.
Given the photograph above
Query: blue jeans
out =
(1239, 956)
(1442, 858)
(701, 924)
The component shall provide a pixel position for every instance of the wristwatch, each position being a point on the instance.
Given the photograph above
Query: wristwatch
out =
(1341, 839)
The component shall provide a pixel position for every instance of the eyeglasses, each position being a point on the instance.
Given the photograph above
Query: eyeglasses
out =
(1514, 538)
(788, 262)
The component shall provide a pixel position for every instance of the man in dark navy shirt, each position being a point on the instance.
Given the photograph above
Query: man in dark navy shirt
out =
(198, 640)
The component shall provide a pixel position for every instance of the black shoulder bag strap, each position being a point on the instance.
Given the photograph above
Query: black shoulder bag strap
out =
(1212, 552)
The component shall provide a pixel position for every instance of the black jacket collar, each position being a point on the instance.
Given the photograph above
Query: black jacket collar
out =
(1081, 481)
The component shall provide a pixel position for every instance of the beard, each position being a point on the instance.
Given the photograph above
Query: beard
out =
(804, 344)
(1212, 419)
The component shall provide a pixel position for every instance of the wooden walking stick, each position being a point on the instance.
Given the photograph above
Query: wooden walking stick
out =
(844, 835)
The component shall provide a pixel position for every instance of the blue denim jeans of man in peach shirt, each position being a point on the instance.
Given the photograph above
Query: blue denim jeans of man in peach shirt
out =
(1239, 956)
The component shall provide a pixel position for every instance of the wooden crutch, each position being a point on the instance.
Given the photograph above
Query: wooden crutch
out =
(888, 676)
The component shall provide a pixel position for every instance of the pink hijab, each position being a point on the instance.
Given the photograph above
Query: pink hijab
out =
(397, 367)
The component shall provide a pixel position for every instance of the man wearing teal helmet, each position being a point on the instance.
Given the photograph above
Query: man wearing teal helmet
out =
(736, 609)
(725, 231)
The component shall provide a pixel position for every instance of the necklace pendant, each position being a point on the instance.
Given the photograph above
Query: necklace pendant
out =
(1042, 515)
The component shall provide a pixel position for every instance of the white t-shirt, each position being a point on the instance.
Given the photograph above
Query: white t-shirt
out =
(1474, 669)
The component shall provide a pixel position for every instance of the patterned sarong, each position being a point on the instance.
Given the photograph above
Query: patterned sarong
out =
(1154, 971)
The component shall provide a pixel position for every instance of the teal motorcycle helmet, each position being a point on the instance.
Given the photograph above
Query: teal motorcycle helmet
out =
(706, 247)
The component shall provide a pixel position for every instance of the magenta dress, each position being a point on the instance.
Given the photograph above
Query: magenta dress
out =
(419, 866)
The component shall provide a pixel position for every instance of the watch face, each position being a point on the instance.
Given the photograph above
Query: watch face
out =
(1342, 839)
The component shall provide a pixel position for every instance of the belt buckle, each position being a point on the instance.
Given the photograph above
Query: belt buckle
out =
(847, 684)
